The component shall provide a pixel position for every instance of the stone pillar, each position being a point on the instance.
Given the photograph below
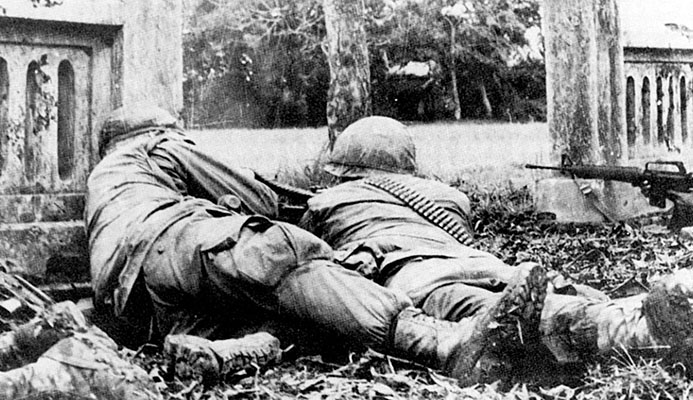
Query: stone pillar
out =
(152, 46)
(62, 70)
(585, 85)
(584, 79)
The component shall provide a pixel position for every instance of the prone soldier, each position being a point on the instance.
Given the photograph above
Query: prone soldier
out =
(413, 235)
(163, 250)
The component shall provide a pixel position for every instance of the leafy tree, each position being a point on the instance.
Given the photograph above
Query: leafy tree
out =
(475, 39)
(400, 32)
(263, 62)
(263, 58)
(492, 31)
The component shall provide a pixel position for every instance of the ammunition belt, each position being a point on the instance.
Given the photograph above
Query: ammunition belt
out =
(425, 207)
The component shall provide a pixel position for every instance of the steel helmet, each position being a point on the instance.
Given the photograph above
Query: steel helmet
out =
(372, 145)
(130, 121)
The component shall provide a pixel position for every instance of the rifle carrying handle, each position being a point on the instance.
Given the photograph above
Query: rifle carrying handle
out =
(677, 164)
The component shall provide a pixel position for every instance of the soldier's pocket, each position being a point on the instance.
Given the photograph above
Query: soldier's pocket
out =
(260, 255)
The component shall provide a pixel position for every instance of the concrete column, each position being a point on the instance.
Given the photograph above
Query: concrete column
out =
(152, 53)
(653, 110)
(689, 111)
(586, 96)
(675, 110)
(637, 104)
(118, 52)
(585, 79)
(665, 107)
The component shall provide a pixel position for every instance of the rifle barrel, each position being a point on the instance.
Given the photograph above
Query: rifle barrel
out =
(661, 182)
(631, 175)
(534, 166)
(287, 190)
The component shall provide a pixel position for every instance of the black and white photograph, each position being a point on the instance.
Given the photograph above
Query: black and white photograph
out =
(346, 199)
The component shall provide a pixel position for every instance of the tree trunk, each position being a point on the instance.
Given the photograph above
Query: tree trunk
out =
(453, 72)
(347, 55)
(488, 110)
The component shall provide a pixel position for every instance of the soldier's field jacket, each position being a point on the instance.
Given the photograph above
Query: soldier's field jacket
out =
(356, 218)
(136, 192)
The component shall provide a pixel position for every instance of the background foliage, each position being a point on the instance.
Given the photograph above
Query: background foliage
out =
(260, 63)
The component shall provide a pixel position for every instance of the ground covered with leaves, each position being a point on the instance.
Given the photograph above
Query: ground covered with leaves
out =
(620, 259)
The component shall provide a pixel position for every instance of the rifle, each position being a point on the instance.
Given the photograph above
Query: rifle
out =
(657, 184)
(289, 211)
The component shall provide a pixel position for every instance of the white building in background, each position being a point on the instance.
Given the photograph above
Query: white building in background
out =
(658, 56)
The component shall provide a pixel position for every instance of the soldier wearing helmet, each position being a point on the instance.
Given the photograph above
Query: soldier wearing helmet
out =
(160, 242)
(399, 234)
(373, 145)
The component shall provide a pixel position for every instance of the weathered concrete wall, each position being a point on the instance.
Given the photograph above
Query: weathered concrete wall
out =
(95, 12)
(45, 248)
(32, 54)
(148, 50)
(62, 70)
(153, 53)
(584, 79)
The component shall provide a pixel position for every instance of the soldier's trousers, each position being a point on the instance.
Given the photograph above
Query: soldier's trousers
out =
(263, 269)
(572, 326)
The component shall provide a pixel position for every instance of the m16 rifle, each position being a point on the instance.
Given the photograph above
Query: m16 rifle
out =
(656, 181)
(296, 202)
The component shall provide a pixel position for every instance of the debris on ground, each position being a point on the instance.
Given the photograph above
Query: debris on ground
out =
(620, 259)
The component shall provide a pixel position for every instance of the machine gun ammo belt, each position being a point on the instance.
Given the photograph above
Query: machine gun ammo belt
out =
(425, 207)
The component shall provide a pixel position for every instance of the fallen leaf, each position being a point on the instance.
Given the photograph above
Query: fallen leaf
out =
(382, 390)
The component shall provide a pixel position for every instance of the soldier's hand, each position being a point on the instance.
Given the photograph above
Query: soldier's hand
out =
(362, 262)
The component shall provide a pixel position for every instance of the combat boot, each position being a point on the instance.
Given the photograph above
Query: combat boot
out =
(657, 323)
(456, 347)
(196, 357)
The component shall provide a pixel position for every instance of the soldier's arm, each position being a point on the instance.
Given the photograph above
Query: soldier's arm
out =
(309, 221)
(209, 177)
(458, 205)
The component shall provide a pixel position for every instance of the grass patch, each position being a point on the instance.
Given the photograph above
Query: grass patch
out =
(634, 378)
(488, 155)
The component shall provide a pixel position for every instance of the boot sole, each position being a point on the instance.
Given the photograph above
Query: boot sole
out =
(192, 356)
(256, 350)
(522, 307)
(514, 318)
